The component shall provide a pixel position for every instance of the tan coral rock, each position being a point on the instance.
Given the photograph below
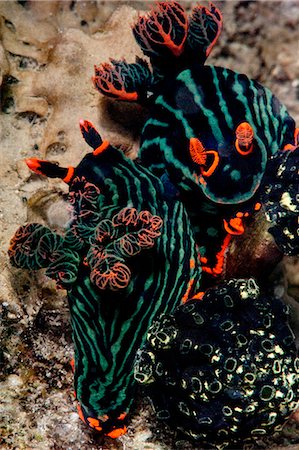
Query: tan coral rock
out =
(62, 91)
(23, 34)
(4, 66)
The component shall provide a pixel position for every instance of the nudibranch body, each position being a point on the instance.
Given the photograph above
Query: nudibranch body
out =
(235, 372)
(214, 132)
(211, 131)
(116, 260)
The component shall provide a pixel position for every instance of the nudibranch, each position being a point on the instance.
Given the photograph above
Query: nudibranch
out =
(211, 131)
(128, 255)
(222, 369)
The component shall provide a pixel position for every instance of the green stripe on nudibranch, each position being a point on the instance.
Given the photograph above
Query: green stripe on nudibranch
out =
(178, 114)
(222, 101)
(186, 78)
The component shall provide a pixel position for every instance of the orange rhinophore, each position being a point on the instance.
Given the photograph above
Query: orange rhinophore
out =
(50, 170)
(197, 151)
(34, 165)
(244, 139)
(91, 135)
(200, 156)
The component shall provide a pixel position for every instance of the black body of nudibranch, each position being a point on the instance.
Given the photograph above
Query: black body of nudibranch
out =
(116, 260)
(222, 369)
(211, 132)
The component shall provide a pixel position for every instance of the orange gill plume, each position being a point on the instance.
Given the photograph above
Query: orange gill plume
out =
(165, 25)
(110, 81)
(244, 139)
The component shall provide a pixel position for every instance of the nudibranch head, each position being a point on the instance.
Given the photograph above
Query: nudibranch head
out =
(234, 375)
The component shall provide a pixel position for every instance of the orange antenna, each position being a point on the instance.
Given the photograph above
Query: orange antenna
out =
(244, 139)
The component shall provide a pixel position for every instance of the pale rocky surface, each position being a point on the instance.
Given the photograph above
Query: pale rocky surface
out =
(47, 53)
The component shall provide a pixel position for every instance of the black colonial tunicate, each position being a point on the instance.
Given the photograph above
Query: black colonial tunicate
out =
(229, 386)
(281, 200)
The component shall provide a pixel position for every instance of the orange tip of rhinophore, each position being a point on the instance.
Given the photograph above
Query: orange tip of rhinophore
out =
(33, 164)
(84, 124)
(114, 434)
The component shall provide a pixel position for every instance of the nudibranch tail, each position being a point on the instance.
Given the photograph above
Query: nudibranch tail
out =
(112, 426)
